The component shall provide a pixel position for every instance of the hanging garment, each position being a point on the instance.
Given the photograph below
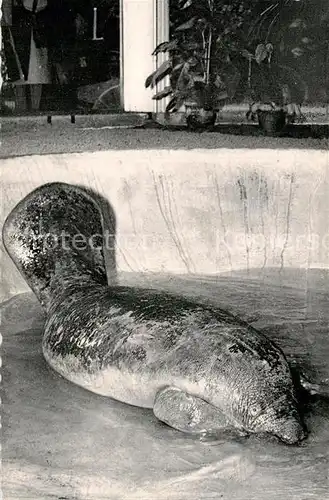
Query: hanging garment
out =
(37, 20)
(28, 16)
(39, 71)
(35, 6)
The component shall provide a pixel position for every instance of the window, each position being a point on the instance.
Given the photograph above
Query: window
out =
(60, 56)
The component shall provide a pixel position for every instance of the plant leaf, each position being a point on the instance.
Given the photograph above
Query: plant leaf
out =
(184, 4)
(149, 79)
(297, 51)
(158, 75)
(165, 47)
(178, 66)
(163, 93)
(187, 25)
(248, 55)
(185, 78)
(298, 23)
(171, 104)
(180, 100)
(260, 53)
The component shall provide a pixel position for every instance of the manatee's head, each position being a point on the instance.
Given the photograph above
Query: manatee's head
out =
(278, 416)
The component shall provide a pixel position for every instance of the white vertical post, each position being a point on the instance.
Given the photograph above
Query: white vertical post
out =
(138, 43)
(144, 24)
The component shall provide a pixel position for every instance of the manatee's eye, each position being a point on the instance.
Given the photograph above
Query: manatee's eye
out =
(255, 410)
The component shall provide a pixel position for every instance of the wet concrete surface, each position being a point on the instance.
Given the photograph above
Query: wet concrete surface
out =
(62, 442)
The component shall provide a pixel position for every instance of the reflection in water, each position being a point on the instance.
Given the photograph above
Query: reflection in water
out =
(61, 440)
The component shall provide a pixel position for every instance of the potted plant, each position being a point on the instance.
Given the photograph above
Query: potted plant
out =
(277, 90)
(265, 90)
(198, 59)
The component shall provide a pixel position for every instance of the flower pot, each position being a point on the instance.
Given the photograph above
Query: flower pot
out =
(200, 118)
(272, 121)
(175, 119)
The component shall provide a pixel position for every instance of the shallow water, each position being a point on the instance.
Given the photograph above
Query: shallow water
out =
(60, 441)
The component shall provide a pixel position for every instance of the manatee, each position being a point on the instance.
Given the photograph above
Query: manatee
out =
(201, 369)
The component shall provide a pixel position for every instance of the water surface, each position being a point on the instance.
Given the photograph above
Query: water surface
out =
(60, 441)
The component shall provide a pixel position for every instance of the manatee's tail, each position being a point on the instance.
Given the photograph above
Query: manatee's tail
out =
(55, 238)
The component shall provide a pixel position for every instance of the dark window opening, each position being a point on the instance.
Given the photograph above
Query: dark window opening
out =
(60, 56)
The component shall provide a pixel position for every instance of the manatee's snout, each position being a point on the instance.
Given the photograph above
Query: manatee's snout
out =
(291, 431)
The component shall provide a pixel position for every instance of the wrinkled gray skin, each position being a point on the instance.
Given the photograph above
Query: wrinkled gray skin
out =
(199, 368)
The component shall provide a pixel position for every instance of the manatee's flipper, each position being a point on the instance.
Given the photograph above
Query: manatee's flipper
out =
(314, 389)
(188, 413)
(55, 238)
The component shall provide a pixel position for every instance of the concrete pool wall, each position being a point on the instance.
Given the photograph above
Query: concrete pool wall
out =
(197, 211)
